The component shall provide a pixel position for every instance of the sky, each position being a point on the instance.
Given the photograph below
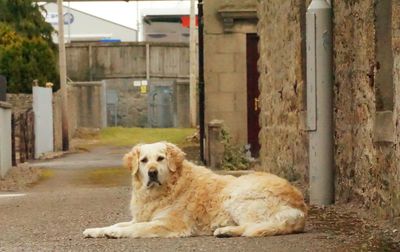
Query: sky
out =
(125, 13)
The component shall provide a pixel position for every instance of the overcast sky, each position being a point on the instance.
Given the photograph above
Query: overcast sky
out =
(125, 13)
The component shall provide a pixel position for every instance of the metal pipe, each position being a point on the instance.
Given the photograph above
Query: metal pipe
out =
(319, 101)
(147, 61)
(201, 80)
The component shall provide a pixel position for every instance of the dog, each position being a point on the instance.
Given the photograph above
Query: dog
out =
(173, 197)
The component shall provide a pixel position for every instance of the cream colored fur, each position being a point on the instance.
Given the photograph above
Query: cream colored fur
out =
(191, 200)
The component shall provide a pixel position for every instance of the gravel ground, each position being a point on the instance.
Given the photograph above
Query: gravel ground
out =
(53, 214)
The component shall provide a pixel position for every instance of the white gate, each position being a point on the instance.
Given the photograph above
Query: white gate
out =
(43, 110)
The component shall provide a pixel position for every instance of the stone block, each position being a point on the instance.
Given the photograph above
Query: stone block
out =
(232, 82)
(211, 82)
(231, 43)
(384, 130)
(240, 63)
(219, 63)
(220, 102)
(214, 143)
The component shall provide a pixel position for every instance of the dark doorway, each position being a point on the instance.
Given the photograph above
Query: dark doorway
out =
(253, 93)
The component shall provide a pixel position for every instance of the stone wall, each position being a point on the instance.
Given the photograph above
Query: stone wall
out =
(132, 104)
(225, 66)
(283, 139)
(365, 137)
(20, 102)
(366, 133)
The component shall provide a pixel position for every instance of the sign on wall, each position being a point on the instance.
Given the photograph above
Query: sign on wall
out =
(52, 18)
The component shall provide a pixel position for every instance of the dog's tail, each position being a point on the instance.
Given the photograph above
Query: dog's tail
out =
(288, 221)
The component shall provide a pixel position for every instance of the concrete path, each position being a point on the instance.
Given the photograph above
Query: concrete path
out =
(96, 158)
(89, 190)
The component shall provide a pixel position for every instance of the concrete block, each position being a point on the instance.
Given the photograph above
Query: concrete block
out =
(43, 112)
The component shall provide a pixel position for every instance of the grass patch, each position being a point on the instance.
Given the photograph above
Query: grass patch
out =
(118, 136)
(113, 176)
(46, 174)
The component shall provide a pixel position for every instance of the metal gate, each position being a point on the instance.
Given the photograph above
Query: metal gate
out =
(161, 105)
(112, 107)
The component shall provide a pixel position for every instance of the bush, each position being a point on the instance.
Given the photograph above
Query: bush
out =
(234, 156)
(26, 50)
(24, 59)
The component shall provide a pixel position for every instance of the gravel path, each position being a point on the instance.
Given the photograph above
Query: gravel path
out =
(53, 214)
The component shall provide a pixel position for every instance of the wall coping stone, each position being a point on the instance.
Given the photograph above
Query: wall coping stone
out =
(5, 105)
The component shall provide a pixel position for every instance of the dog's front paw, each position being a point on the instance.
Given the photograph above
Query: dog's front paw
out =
(114, 233)
(94, 233)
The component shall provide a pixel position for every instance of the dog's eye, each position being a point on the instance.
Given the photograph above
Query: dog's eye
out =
(144, 160)
(159, 159)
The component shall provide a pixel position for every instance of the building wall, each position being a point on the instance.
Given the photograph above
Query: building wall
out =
(225, 68)
(86, 26)
(171, 32)
(366, 131)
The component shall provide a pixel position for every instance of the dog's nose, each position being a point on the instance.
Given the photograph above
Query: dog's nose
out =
(153, 174)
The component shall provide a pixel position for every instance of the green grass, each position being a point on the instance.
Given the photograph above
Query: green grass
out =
(118, 136)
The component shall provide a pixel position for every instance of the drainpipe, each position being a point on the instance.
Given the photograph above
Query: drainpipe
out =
(201, 80)
(319, 101)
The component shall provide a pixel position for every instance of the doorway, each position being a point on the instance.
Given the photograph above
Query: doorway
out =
(253, 93)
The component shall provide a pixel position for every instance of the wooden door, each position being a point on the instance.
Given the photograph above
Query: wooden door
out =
(253, 93)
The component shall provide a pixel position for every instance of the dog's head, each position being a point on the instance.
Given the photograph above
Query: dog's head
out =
(153, 164)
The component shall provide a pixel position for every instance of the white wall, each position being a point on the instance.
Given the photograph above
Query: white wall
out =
(88, 27)
(5, 138)
(43, 111)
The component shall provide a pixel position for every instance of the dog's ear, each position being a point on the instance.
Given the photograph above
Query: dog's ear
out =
(131, 159)
(175, 157)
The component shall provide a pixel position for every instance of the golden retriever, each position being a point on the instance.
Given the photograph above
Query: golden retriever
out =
(173, 197)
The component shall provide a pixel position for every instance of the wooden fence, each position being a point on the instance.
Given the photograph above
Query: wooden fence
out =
(142, 60)
(23, 137)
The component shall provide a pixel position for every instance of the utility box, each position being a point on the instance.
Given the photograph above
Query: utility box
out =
(3, 88)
